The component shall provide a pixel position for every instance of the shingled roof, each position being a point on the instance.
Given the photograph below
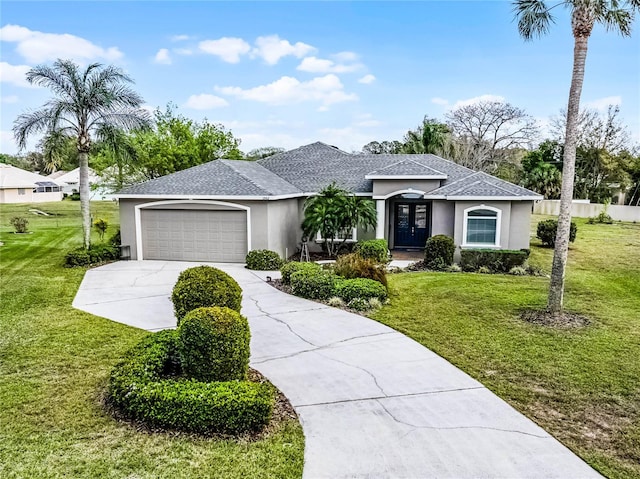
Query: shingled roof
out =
(310, 168)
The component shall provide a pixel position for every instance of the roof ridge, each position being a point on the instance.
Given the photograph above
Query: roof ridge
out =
(493, 185)
(228, 164)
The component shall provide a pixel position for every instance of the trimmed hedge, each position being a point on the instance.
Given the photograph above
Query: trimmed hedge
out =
(548, 229)
(141, 388)
(355, 266)
(363, 288)
(438, 252)
(204, 286)
(494, 260)
(263, 260)
(376, 250)
(99, 253)
(213, 344)
(313, 284)
(289, 268)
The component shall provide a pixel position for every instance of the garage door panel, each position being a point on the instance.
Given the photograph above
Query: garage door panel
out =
(194, 235)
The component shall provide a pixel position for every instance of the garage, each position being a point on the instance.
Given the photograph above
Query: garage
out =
(194, 235)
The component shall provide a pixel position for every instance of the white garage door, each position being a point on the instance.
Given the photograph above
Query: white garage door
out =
(194, 235)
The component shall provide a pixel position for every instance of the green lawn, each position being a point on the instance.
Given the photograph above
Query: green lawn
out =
(54, 362)
(583, 386)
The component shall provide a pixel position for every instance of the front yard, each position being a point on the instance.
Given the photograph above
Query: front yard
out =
(581, 385)
(54, 361)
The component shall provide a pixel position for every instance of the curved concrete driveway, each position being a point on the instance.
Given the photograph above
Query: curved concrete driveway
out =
(372, 402)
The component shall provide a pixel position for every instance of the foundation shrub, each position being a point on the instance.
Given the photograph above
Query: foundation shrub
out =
(289, 268)
(353, 265)
(263, 260)
(438, 252)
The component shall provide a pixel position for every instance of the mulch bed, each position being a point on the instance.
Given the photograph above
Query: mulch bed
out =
(564, 320)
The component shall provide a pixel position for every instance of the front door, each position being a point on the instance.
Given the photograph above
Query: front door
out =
(411, 225)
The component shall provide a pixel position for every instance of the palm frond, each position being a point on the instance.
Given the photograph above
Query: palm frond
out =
(29, 123)
(126, 119)
(48, 77)
(534, 18)
(619, 19)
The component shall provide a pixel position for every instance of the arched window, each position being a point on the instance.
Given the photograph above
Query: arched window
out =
(481, 226)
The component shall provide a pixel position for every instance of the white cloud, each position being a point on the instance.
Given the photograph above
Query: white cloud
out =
(229, 49)
(37, 47)
(367, 123)
(14, 74)
(477, 99)
(287, 90)
(439, 101)
(367, 79)
(272, 48)
(9, 99)
(183, 51)
(603, 103)
(320, 65)
(345, 57)
(180, 38)
(205, 101)
(347, 138)
(163, 57)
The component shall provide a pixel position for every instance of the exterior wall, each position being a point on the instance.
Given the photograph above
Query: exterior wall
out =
(442, 218)
(520, 227)
(262, 237)
(384, 187)
(284, 233)
(587, 210)
(10, 195)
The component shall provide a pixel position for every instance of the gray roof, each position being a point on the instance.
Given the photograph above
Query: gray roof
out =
(310, 168)
(219, 177)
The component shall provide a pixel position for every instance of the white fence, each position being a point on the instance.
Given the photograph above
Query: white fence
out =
(587, 210)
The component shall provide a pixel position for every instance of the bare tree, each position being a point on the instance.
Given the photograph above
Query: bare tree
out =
(499, 125)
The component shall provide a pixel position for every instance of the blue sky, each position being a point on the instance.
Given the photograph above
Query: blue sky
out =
(289, 73)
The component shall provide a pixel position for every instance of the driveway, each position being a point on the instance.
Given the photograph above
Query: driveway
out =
(372, 402)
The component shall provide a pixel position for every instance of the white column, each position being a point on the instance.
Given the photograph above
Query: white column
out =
(380, 226)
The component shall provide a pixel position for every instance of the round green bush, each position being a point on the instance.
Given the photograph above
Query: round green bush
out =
(263, 260)
(213, 344)
(289, 268)
(313, 284)
(146, 387)
(376, 250)
(438, 252)
(204, 286)
(349, 289)
(548, 229)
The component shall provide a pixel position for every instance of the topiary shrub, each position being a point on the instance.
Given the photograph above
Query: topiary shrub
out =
(376, 250)
(548, 229)
(289, 268)
(364, 288)
(438, 252)
(494, 260)
(146, 386)
(263, 260)
(204, 286)
(99, 253)
(355, 266)
(213, 344)
(313, 284)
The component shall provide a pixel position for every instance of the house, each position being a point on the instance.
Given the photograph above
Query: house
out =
(21, 186)
(70, 182)
(220, 210)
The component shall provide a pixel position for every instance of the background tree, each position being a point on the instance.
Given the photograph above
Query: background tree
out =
(176, 143)
(263, 152)
(382, 148)
(540, 169)
(430, 137)
(333, 213)
(534, 19)
(85, 104)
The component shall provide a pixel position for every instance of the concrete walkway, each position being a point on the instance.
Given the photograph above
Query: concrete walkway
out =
(373, 403)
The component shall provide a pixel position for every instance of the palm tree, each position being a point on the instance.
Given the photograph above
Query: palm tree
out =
(86, 103)
(429, 137)
(534, 19)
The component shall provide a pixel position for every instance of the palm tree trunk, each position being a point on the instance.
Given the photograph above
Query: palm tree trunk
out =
(85, 208)
(556, 288)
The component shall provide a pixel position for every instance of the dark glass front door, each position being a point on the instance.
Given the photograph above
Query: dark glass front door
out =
(411, 224)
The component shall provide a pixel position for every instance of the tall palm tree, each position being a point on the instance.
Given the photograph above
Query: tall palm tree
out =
(86, 103)
(429, 137)
(534, 19)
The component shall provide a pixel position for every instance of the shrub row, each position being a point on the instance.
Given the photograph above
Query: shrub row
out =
(204, 286)
(495, 261)
(263, 260)
(95, 254)
(141, 388)
(294, 266)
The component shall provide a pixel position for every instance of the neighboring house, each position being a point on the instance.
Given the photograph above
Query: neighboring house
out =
(71, 184)
(220, 210)
(21, 186)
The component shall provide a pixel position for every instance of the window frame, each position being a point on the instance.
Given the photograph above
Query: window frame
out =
(465, 224)
(353, 239)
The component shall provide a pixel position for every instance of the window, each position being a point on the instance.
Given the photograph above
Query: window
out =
(481, 226)
(349, 236)
(21, 191)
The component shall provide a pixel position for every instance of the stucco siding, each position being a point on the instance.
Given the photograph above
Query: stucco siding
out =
(505, 220)
(284, 233)
(385, 187)
(442, 218)
(11, 195)
(520, 227)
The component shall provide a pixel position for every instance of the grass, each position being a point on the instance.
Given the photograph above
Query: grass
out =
(54, 362)
(581, 385)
